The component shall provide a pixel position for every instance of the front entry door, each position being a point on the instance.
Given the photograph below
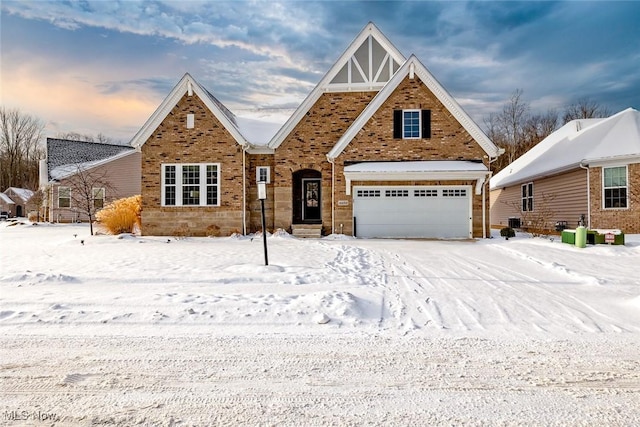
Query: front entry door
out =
(311, 199)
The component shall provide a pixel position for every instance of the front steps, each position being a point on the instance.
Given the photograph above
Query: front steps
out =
(313, 231)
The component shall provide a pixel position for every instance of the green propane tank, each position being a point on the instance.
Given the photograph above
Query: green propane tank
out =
(581, 237)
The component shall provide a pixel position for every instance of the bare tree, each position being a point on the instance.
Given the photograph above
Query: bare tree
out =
(584, 108)
(512, 121)
(100, 138)
(20, 149)
(88, 191)
(536, 128)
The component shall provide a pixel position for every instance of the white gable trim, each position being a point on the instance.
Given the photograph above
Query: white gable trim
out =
(323, 86)
(414, 66)
(186, 85)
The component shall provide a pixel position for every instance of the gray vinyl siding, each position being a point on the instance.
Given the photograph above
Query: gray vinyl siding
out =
(124, 175)
(566, 194)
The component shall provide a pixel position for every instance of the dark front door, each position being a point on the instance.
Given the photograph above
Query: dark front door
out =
(311, 200)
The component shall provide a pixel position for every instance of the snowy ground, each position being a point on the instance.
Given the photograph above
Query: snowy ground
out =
(124, 330)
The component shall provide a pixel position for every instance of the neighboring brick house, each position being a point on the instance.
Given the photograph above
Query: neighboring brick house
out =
(378, 149)
(117, 166)
(15, 201)
(588, 168)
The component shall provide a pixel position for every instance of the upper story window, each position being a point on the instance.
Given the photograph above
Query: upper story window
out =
(527, 197)
(263, 173)
(191, 121)
(614, 187)
(64, 197)
(411, 124)
(191, 184)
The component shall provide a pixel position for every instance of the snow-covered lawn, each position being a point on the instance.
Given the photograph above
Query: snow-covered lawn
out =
(132, 330)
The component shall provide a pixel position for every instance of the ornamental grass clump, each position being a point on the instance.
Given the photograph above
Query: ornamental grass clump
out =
(122, 215)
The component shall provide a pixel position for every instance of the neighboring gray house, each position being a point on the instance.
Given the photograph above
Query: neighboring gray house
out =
(119, 165)
(588, 167)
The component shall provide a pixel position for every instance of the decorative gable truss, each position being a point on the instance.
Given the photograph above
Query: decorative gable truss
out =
(413, 67)
(369, 68)
(368, 64)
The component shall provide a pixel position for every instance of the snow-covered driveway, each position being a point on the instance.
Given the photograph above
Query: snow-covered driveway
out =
(163, 331)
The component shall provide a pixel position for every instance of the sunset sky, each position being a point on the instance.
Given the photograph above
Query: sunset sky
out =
(104, 66)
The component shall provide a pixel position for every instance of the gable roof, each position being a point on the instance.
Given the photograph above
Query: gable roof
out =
(188, 85)
(410, 68)
(6, 199)
(583, 141)
(22, 193)
(374, 51)
(64, 155)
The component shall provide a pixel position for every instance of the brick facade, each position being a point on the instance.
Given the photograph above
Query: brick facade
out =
(627, 220)
(207, 142)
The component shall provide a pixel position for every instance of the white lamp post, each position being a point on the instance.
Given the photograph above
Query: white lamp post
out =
(262, 194)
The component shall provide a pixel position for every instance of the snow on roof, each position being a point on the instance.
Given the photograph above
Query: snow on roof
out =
(65, 152)
(64, 156)
(579, 141)
(6, 199)
(257, 132)
(23, 193)
(417, 166)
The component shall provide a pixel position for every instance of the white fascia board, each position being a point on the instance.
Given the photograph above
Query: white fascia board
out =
(414, 176)
(443, 96)
(323, 85)
(185, 85)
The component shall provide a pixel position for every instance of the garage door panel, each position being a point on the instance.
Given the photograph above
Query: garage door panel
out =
(423, 211)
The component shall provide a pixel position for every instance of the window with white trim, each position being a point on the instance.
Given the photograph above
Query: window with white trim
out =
(64, 197)
(527, 197)
(191, 121)
(410, 124)
(97, 194)
(191, 184)
(615, 187)
(263, 173)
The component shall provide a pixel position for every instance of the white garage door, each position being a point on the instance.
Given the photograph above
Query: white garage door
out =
(412, 211)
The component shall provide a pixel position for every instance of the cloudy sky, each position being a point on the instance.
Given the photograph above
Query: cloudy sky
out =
(104, 66)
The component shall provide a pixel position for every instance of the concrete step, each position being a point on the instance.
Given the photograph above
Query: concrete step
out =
(307, 230)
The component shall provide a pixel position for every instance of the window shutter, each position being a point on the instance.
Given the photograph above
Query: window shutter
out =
(426, 123)
(397, 124)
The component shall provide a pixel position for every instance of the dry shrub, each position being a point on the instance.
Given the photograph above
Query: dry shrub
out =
(122, 215)
(213, 231)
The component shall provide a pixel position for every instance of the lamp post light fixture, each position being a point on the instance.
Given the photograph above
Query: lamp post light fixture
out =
(262, 194)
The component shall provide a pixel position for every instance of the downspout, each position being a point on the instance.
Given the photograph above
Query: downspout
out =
(333, 191)
(484, 203)
(588, 194)
(244, 190)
